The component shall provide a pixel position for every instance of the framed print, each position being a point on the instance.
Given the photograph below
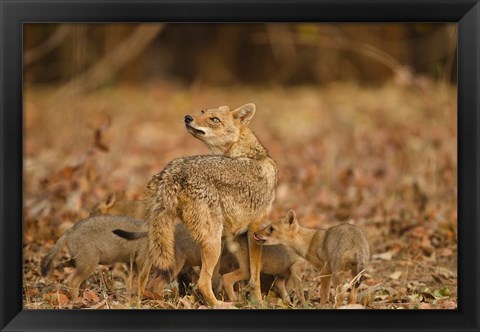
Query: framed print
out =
(278, 164)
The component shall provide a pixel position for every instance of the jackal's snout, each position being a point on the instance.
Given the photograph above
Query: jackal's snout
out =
(192, 126)
(188, 118)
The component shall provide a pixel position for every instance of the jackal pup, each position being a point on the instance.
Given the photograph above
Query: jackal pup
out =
(214, 195)
(279, 261)
(335, 252)
(92, 242)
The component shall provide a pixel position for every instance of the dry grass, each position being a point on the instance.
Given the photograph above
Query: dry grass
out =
(383, 158)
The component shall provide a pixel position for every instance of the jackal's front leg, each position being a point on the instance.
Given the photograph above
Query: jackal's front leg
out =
(255, 251)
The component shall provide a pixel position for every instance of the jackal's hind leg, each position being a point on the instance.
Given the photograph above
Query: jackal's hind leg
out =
(297, 271)
(85, 265)
(210, 253)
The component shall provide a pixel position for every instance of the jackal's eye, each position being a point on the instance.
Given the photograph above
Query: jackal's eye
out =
(271, 229)
(215, 119)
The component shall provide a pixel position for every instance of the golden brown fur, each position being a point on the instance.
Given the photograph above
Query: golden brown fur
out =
(279, 261)
(336, 252)
(225, 193)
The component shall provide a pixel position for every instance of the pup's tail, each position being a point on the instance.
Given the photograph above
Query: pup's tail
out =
(129, 235)
(46, 263)
(161, 204)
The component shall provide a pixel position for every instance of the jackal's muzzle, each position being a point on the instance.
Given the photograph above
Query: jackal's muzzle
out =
(190, 128)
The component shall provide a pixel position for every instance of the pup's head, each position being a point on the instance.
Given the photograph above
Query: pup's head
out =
(279, 231)
(104, 207)
(219, 127)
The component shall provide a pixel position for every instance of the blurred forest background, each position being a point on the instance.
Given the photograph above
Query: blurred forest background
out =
(290, 54)
(361, 119)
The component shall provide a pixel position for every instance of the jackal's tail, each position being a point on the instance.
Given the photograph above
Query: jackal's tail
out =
(161, 204)
(46, 263)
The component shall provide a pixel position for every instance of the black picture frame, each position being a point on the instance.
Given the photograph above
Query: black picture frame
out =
(16, 12)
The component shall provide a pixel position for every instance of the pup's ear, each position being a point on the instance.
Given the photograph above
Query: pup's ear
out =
(291, 219)
(224, 108)
(111, 200)
(244, 113)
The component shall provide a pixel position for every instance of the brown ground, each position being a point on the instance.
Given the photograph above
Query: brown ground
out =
(383, 158)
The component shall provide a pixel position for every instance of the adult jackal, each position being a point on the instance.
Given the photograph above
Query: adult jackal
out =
(214, 195)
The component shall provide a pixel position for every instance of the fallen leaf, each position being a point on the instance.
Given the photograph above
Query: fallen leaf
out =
(371, 281)
(151, 295)
(225, 305)
(444, 252)
(352, 306)
(282, 304)
(185, 303)
(415, 297)
(74, 201)
(447, 304)
(395, 275)
(117, 305)
(68, 171)
(426, 306)
(31, 292)
(90, 296)
(441, 293)
(385, 256)
(271, 297)
(99, 305)
(56, 298)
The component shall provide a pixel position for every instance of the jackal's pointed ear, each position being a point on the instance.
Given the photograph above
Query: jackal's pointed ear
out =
(291, 219)
(111, 200)
(224, 108)
(244, 113)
